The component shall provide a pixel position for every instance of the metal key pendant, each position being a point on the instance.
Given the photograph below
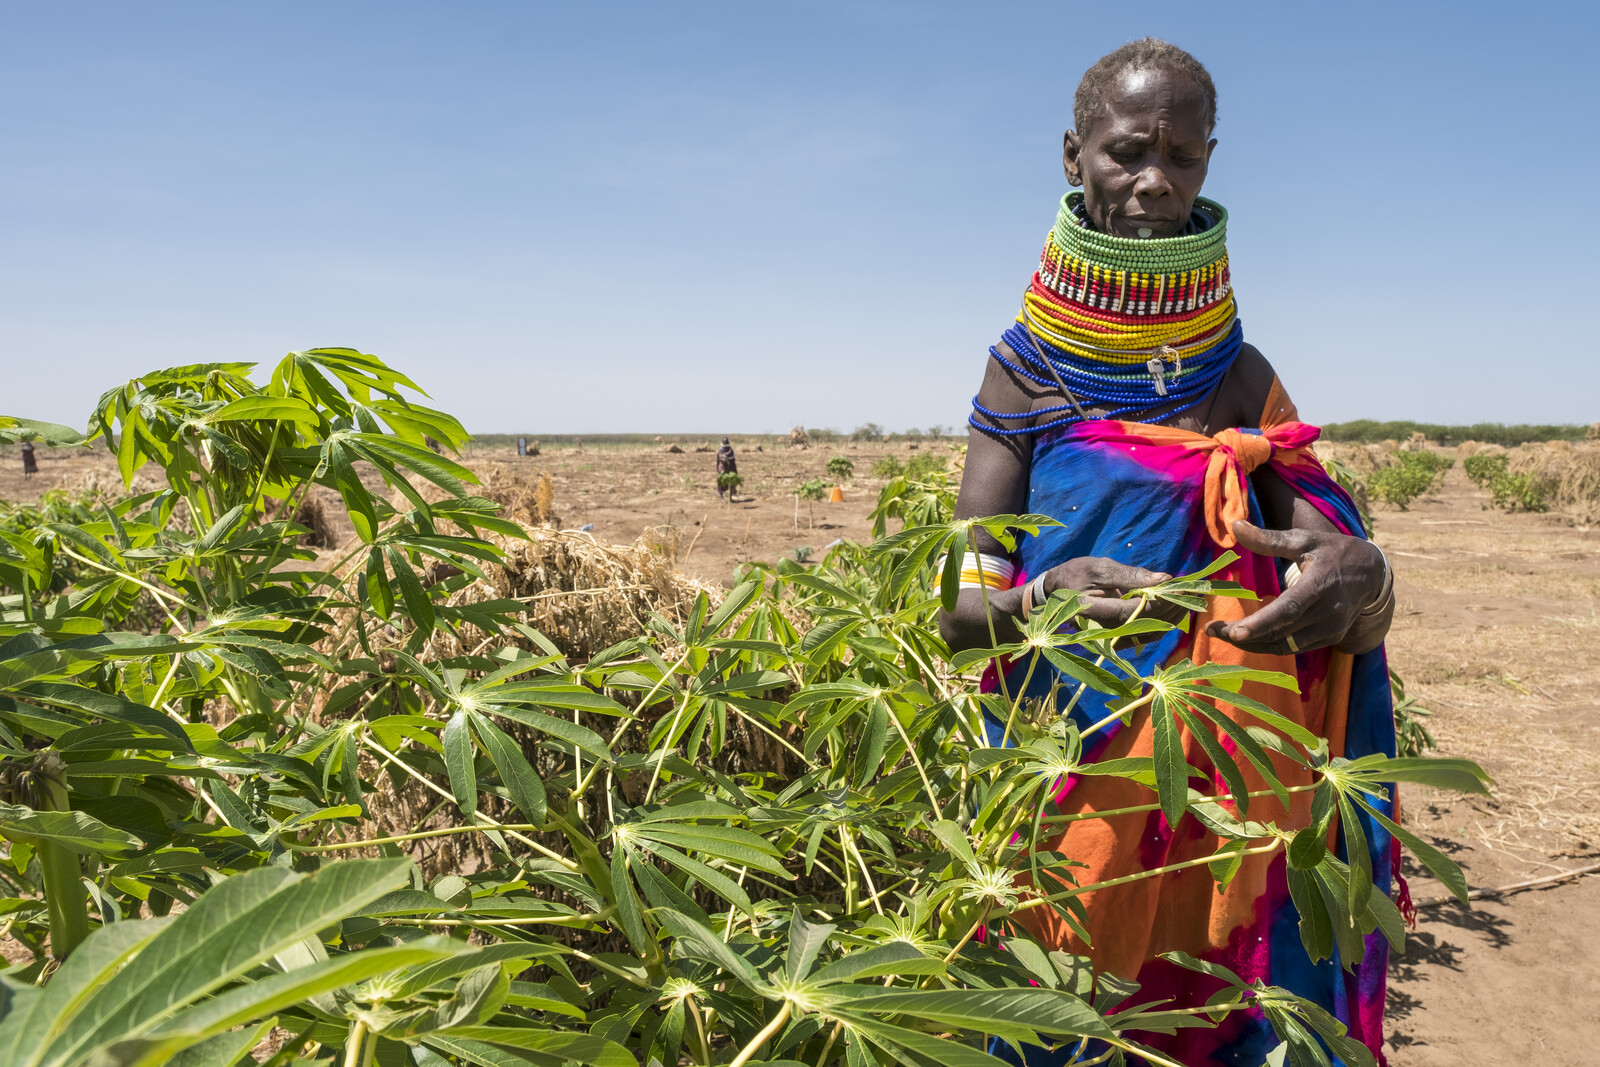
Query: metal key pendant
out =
(1157, 371)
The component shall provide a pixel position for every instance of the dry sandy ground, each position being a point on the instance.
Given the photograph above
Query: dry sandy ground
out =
(1498, 632)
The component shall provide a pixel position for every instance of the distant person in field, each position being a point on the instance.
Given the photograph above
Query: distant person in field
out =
(727, 463)
(1124, 402)
(30, 465)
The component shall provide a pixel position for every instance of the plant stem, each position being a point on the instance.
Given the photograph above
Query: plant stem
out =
(910, 751)
(983, 917)
(988, 617)
(583, 786)
(1136, 808)
(1259, 850)
(1101, 661)
(666, 740)
(1016, 703)
(162, 593)
(767, 1032)
(508, 828)
(355, 1044)
(699, 1031)
(849, 876)
(1122, 713)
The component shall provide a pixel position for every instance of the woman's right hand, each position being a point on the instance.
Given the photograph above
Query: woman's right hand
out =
(1105, 581)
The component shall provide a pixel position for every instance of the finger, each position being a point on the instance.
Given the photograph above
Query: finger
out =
(1108, 611)
(1319, 634)
(1109, 574)
(1164, 610)
(1274, 622)
(1284, 544)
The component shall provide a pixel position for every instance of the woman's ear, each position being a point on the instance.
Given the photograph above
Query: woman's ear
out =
(1071, 147)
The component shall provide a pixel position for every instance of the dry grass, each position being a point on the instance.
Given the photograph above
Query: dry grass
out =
(527, 496)
(316, 517)
(1570, 471)
(581, 594)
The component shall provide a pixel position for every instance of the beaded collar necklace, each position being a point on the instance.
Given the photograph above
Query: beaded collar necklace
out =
(1129, 325)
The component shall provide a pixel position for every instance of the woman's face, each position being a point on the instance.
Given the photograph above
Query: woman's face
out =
(1145, 157)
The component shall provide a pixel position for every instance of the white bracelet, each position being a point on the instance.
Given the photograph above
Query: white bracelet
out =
(980, 569)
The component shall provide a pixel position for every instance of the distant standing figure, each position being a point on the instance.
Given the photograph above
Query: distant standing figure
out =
(30, 466)
(726, 464)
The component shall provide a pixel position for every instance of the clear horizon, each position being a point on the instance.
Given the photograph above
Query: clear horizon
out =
(626, 218)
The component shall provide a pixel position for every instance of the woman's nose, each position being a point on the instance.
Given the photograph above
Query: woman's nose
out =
(1152, 182)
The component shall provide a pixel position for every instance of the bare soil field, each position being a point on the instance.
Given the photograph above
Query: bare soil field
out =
(1498, 633)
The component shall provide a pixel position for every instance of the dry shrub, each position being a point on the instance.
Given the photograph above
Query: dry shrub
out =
(314, 515)
(1570, 474)
(1361, 459)
(798, 438)
(1417, 442)
(585, 595)
(105, 487)
(527, 496)
(1468, 449)
(1353, 456)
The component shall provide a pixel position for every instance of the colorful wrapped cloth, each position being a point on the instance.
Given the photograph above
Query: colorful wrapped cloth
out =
(1165, 499)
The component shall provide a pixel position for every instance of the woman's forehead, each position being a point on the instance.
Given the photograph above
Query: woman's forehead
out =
(1140, 97)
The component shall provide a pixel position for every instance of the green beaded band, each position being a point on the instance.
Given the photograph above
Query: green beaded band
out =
(1156, 255)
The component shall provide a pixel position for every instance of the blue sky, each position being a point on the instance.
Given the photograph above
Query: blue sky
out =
(737, 217)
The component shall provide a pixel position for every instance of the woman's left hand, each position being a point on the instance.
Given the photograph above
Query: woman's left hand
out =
(1340, 576)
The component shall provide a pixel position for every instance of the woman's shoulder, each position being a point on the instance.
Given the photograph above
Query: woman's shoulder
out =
(1257, 395)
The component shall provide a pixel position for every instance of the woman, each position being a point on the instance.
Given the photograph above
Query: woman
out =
(1125, 403)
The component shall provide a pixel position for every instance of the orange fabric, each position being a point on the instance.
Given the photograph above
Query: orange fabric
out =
(1278, 409)
(1184, 910)
(1234, 455)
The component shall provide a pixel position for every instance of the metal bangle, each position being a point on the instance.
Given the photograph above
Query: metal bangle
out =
(1032, 596)
(1385, 594)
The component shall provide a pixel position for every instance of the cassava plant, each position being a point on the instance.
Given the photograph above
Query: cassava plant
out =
(767, 829)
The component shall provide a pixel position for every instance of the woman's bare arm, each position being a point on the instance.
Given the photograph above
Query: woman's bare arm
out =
(996, 483)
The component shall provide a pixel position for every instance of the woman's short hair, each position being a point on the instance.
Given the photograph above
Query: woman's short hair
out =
(1147, 53)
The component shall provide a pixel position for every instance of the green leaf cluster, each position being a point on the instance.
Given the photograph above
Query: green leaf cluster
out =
(765, 829)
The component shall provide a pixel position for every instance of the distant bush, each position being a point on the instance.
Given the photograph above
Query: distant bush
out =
(888, 467)
(1520, 492)
(1352, 483)
(1412, 736)
(1483, 468)
(918, 467)
(812, 491)
(1413, 474)
(867, 431)
(1370, 431)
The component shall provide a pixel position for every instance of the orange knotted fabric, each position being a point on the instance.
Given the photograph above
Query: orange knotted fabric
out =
(1234, 456)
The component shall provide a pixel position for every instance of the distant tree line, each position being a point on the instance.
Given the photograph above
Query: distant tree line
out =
(1370, 431)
